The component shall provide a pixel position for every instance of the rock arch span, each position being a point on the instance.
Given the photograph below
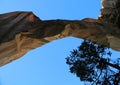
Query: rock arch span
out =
(23, 31)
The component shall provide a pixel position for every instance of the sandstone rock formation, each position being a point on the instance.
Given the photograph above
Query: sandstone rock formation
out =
(110, 11)
(23, 31)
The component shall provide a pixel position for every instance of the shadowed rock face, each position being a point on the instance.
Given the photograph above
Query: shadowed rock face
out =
(110, 11)
(23, 31)
(13, 23)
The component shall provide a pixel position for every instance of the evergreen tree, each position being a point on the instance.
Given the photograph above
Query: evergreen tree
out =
(92, 63)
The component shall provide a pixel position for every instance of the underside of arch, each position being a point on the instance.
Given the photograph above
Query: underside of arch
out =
(23, 31)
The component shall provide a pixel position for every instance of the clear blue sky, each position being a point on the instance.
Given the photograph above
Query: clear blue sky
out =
(46, 65)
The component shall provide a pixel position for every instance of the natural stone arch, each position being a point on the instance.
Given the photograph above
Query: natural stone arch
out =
(23, 31)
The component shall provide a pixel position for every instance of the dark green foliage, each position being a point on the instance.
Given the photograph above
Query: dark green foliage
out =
(92, 63)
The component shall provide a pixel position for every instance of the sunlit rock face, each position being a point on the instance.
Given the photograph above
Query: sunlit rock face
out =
(114, 42)
(12, 25)
(23, 31)
(110, 13)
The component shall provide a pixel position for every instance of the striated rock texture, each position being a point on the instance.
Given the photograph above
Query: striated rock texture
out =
(23, 31)
(110, 12)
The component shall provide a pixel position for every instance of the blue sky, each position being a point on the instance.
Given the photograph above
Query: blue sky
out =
(46, 65)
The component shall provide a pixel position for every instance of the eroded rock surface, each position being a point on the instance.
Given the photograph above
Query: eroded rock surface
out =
(23, 31)
(110, 12)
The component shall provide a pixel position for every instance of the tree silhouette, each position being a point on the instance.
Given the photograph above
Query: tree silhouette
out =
(92, 63)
